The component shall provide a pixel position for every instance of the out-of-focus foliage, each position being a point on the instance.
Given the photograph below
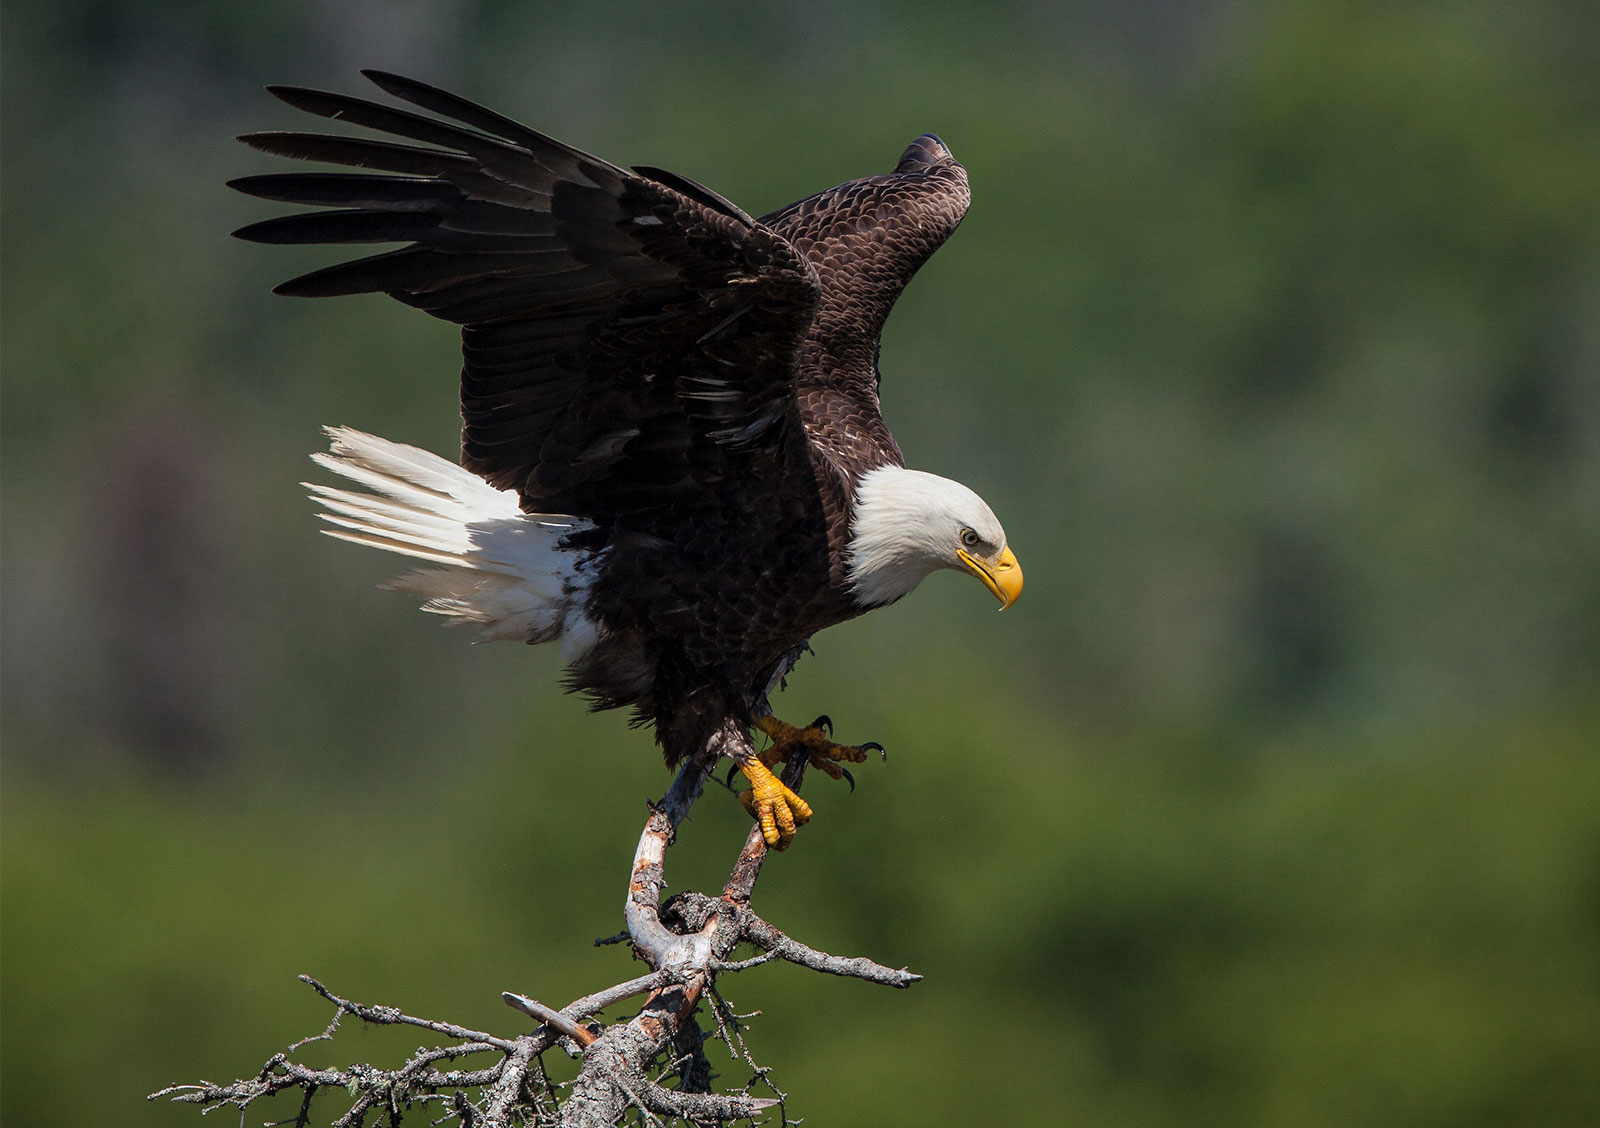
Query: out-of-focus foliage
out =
(1274, 338)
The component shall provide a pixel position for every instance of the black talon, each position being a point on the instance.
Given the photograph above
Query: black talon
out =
(728, 783)
(824, 722)
(850, 779)
(874, 746)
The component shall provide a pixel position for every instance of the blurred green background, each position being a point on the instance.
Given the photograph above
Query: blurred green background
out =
(1273, 336)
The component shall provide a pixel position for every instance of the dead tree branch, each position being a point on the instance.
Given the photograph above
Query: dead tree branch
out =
(686, 941)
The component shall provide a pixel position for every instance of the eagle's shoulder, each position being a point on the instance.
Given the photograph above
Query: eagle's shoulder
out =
(866, 238)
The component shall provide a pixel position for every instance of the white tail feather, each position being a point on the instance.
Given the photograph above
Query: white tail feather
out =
(506, 571)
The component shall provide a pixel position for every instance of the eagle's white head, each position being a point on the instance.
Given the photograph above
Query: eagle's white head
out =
(908, 524)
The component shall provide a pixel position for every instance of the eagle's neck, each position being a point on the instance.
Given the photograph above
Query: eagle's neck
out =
(901, 530)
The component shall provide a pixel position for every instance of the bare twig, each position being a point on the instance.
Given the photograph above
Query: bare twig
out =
(390, 1016)
(536, 1009)
(769, 939)
(600, 1000)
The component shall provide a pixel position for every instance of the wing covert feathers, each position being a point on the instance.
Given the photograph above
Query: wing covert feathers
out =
(867, 238)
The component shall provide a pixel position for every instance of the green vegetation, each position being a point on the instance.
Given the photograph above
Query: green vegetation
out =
(1272, 337)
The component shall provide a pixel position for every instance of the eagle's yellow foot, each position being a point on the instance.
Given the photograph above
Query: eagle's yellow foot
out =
(779, 811)
(815, 740)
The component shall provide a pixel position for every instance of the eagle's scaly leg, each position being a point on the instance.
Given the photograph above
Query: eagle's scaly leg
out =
(815, 741)
(779, 811)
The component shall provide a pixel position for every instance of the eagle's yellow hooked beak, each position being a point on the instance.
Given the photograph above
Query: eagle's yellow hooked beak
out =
(1003, 577)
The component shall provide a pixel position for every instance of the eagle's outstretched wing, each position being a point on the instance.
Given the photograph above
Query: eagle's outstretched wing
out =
(623, 332)
(866, 238)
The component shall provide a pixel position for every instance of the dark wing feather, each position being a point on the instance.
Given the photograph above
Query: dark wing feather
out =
(865, 239)
(624, 333)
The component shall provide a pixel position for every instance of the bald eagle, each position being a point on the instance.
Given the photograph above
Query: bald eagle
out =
(672, 458)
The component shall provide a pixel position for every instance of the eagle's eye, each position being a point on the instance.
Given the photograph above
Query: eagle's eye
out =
(969, 538)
